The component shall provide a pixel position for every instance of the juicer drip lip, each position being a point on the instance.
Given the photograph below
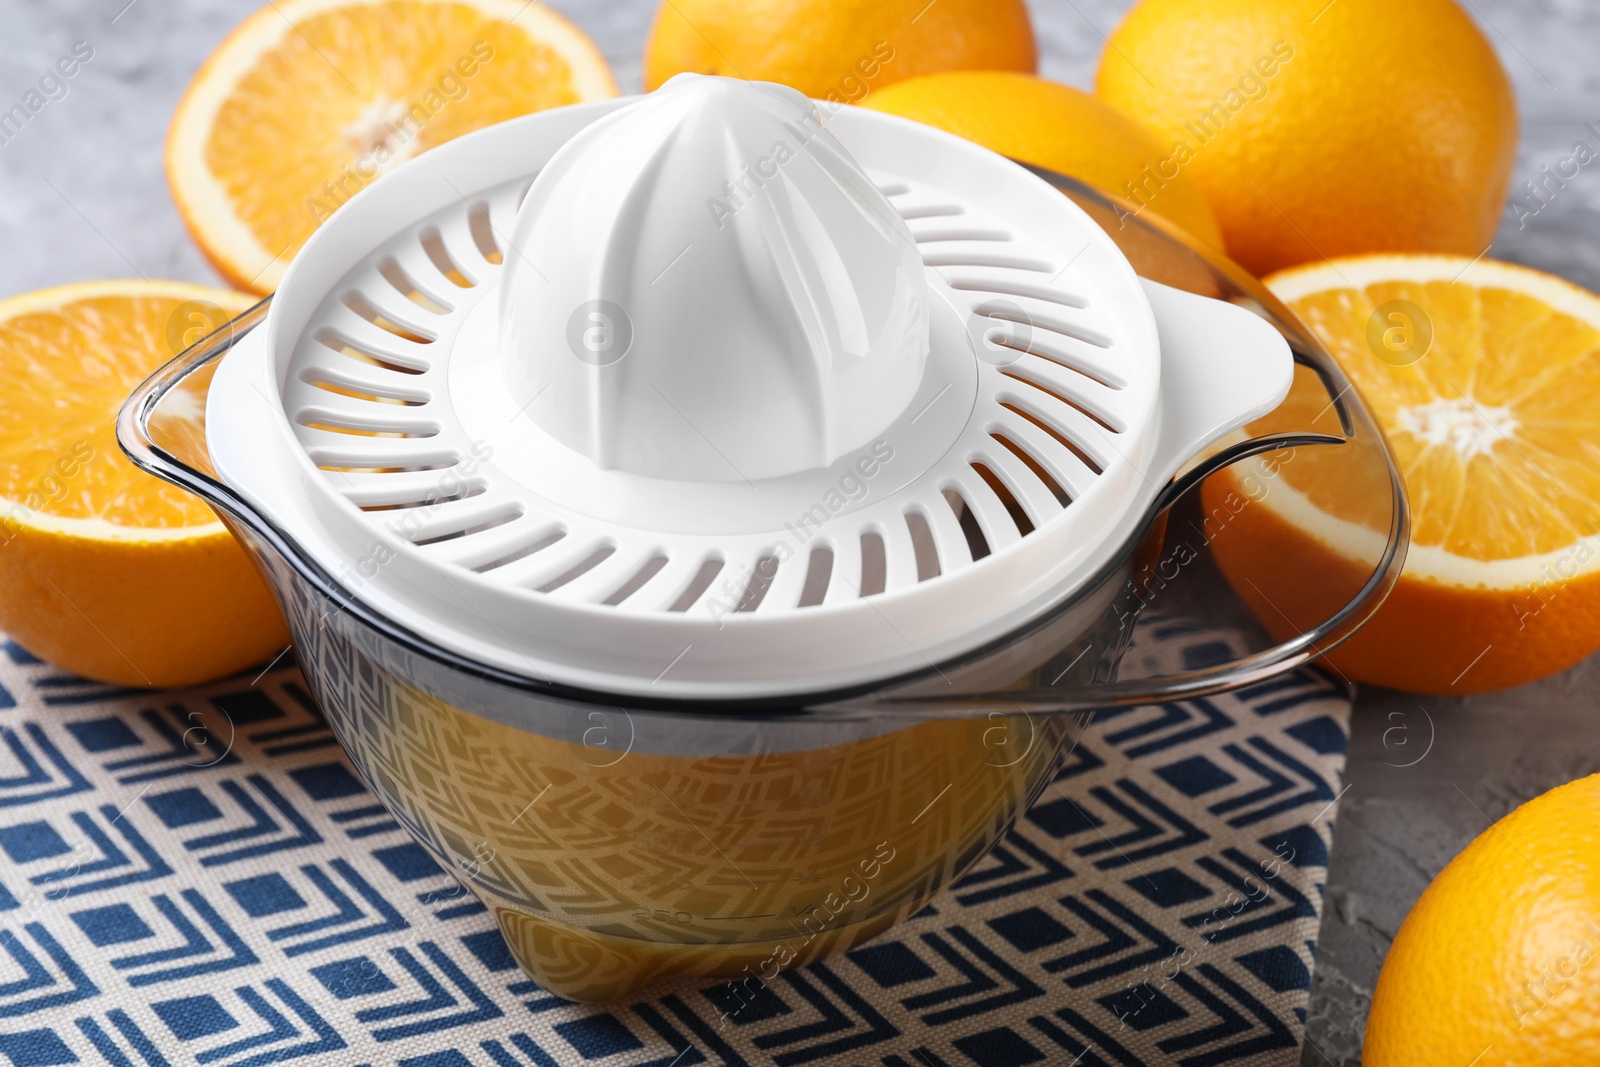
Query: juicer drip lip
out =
(133, 437)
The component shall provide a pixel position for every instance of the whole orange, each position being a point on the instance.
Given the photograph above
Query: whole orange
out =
(1321, 129)
(838, 50)
(1050, 125)
(1499, 961)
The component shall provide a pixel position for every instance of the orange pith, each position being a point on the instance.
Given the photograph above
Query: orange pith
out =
(1495, 429)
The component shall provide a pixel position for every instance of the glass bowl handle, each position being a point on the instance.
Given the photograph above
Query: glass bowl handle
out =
(146, 447)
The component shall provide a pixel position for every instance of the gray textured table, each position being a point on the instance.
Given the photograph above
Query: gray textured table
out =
(82, 196)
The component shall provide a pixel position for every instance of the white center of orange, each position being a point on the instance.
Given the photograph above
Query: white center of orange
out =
(1456, 422)
(377, 127)
(182, 404)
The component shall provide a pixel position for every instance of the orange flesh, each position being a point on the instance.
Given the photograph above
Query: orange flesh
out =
(1519, 383)
(366, 87)
(68, 369)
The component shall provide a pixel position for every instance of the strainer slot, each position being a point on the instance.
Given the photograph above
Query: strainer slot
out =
(931, 211)
(1021, 406)
(425, 534)
(381, 454)
(923, 547)
(972, 257)
(334, 465)
(1031, 375)
(709, 569)
(648, 570)
(785, 585)
(819, 573)
(426, 501)
(846, 583)
(404, 489)
(899, 554)
(874, 564)
(482, 231)
(360, 425)
(533, 572)
(949, 539)
(393, 273)
(385, 320)
(590, 585)
(995, 508)
(937, 236)
(1043, 348)
(1037, 466)
(1005, 286)
(1027, 490)
(370, 354)
(1007, 497)
(977, 543)
(357, 387)
(327, 386)
(602, 553)
(547, 536)
(760, 584)
(433, 245)
(893, 189)
(1043, 320)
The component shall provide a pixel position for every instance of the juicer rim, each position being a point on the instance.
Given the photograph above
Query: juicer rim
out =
(1204, 369)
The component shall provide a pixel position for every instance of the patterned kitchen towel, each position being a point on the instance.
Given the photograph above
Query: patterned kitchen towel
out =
(194, 878)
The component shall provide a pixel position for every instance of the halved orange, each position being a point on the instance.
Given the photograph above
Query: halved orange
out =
(104, 570)
(308, 102)
(1485, 377)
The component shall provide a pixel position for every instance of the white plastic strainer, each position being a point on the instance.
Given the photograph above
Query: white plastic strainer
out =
(702, 394)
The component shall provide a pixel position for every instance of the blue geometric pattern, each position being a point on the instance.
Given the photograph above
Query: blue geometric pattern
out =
(200, 878)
